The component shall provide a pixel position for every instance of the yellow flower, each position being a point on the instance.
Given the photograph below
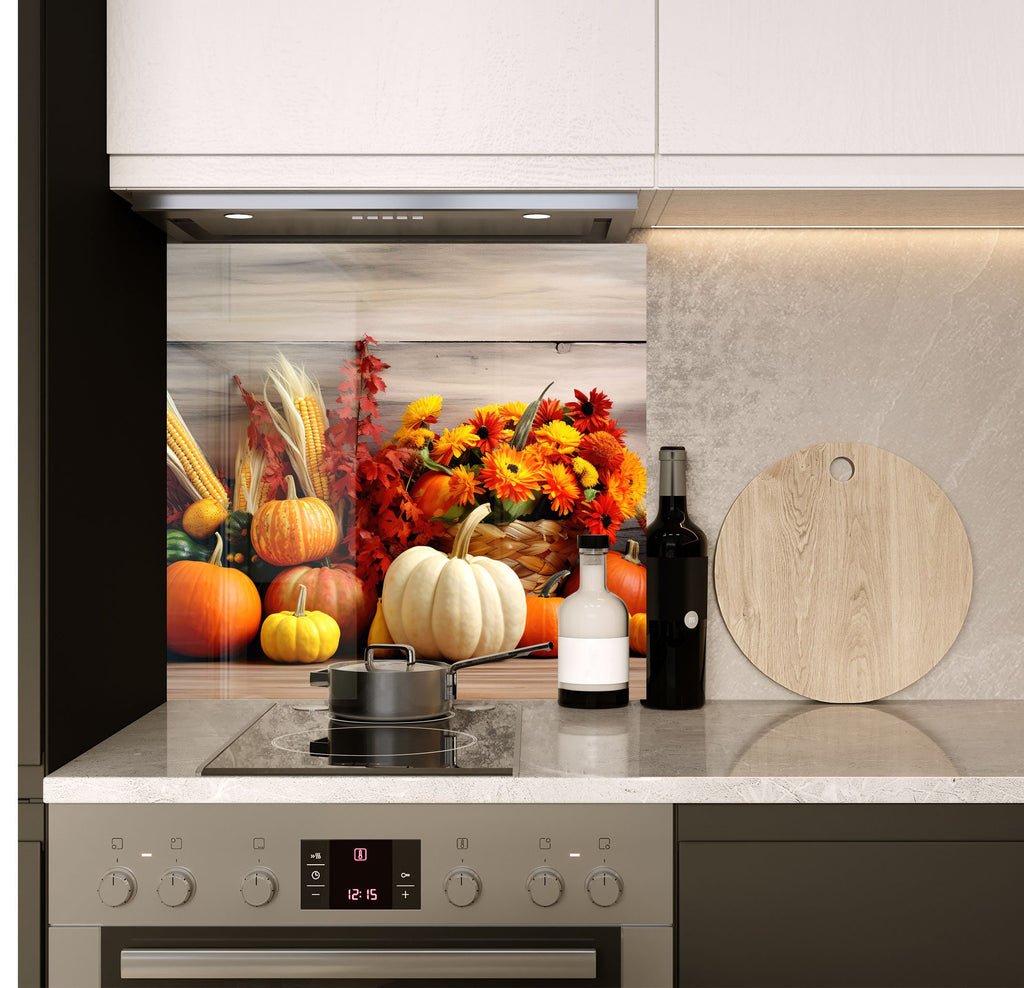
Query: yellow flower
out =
(452, 443)
(558, 438)
(585, 470)
(422, 411)
(408, 436)
(512, 411)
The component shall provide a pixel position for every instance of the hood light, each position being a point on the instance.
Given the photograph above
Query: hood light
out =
(238, 216)
(536, 216)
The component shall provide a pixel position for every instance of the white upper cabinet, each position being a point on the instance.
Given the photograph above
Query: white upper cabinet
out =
(864, 78)
(832, 77)
(381, 78)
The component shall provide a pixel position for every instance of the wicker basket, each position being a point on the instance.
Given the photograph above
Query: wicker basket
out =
(534, 549)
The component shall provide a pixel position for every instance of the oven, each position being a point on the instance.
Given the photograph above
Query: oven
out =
(368, 894)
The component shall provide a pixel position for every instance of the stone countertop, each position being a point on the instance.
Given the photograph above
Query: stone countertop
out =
(966, 751)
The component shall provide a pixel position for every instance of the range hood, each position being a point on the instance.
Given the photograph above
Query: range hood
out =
(393, 217)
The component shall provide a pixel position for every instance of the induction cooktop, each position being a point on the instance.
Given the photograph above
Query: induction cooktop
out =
(300, 738)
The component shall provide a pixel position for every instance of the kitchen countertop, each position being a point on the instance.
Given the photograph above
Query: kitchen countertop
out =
(968, 751)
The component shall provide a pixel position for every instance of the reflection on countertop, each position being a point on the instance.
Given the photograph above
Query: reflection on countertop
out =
(729, 751)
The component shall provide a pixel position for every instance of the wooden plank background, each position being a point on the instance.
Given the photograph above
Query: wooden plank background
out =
(477, 324)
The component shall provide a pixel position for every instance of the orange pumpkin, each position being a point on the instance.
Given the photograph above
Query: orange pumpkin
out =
(627, 578)
(212, 611)
(294, 530)
(542, 617)
(335, 590)
(638, 633)
(432, 493)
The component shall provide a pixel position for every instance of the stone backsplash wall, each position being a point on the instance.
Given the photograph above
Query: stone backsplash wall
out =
(761, 342)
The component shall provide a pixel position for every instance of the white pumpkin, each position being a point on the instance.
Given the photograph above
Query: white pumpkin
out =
(453, 606)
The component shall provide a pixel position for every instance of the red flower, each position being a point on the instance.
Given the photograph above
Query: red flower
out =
(589, 413)
(489, 428)
(602, 516)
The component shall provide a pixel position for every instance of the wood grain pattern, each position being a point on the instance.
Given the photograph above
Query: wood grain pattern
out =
(513, 679)
(843, 591)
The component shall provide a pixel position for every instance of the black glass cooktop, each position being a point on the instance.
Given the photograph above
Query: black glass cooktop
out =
(299, 738)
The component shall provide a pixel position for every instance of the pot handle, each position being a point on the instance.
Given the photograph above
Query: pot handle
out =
(498, 656)
(407, 650)
(320, 677)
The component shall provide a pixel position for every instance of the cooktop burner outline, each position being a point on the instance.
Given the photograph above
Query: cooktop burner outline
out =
(304, 738)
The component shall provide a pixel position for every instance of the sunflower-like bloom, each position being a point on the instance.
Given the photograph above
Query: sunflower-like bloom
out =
(412, 436)
(464, 486)
(634, 474)
(589, 412)
(557, 438)
(559, 483)
(602, 516)
(512, 412)
(585, 470)
(549, 410)
(421, 412)
(603, 450)
(509, 474)
(489, 428)
(452, 443)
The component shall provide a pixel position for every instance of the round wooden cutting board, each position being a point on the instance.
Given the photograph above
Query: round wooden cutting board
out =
(843, 590)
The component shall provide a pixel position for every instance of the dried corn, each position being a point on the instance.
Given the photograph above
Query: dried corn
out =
(187, 461)
(301, 422)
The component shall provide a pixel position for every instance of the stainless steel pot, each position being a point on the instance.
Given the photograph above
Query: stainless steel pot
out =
(398, 689)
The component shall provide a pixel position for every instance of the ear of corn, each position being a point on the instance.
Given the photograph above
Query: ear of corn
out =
(250, 487)
(301, 423)
(187, 462)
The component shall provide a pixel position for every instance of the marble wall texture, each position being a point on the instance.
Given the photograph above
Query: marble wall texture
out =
(762, 342)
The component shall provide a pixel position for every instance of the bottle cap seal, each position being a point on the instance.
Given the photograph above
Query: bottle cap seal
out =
(672, 453)
(592, 541)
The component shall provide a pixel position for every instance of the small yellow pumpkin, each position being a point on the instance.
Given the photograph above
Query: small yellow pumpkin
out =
(453, 606)
(302, 636)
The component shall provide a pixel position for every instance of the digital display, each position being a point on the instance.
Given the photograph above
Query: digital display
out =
(360, 874)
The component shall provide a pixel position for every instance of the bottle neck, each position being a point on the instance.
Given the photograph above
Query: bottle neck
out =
(593, 575)
(672, 487)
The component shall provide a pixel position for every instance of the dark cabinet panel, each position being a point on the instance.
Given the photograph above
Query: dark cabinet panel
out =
(815, 911)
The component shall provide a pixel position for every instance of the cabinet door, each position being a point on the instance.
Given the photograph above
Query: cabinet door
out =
(850, 913)
(391, 77)
(803, 77)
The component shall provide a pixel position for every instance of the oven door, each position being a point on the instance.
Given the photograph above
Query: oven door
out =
(399, 956)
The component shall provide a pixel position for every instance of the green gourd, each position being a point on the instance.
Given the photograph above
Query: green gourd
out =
(181, 545)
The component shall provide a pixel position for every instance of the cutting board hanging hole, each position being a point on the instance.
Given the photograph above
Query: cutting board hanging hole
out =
(841, 468)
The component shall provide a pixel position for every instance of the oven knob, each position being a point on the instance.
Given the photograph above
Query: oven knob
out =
(462, 886)
(545, 886)
(117, 887)
(176, 887)
(259, 886)
(604, 887)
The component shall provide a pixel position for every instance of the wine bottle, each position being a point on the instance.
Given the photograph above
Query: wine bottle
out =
(677, 594)
(593, 635)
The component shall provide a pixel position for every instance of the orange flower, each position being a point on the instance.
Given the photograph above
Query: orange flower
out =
(589, 412)
(558, 482)
(464, 486)
(549, 410)
(509, 474)
(452, 443)
(634, 474)
(488, 426)
(602, 449)
(601, 516)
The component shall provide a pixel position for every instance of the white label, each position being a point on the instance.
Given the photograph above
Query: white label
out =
(691, 619)
(593, 663)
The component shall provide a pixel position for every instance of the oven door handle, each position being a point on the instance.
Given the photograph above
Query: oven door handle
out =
(448, 965)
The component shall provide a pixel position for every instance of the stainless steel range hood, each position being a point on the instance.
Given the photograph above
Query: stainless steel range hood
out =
(296, 217)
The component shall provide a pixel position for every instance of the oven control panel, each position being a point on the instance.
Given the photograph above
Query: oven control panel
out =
(240, 864)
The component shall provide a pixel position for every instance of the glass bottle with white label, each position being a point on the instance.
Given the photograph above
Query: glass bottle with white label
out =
(593, 636)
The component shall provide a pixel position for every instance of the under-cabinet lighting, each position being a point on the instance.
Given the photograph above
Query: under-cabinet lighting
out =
(833, 226)
(536, 216)
(238, 216)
